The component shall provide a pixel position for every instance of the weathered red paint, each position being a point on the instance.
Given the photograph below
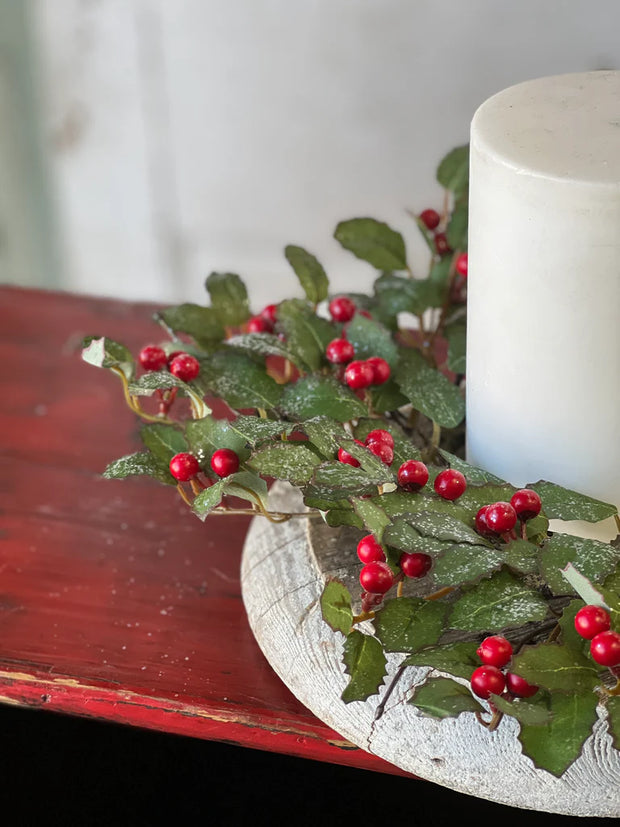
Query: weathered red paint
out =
(116, 603)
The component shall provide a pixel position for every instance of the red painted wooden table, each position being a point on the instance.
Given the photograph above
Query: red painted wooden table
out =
(116, 603)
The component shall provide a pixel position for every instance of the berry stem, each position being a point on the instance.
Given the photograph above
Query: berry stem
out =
(392, 685)
(133, 404)
(184, 496)
(362, 616)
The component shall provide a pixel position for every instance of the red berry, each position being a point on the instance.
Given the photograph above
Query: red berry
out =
(380, 369)
(152, 358)
(487, 680)
(345, 456)
(461, 264)
(526, 503)
(184, 467)
(365, 313)
(605, 648)
(340, 351)
(270, 313)
(482, 526)
(450, 484)
(380, 435)
(174, 355)
(369, 550)
(501, 517)
(430, 219)
(376, 577)
(415, 564)
(260, 324)
(184, 367)
(495, 651)
(342, 309)
(382, 450)
(225, 462)
(591, 620)
(412, 475)
(441, 244)
(359, 375)
(518, 686)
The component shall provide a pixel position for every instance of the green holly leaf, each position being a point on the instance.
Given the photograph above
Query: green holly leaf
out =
(207, 435)
(229, 298)
(457, 659)
(475, 496)
(255, 430)
(374, 242)
(501, 601)
(590, 595)
(237, 378)
(428, 390)
(408, 624)
(164, 441)
(201, 323)
(444, 698)
(556, 745)
(310, 273)
(139, 464)
(593, 558)
(519, 555)
(453, 170)
(474, 475)
(456, 336)
(323, 432)
(103, 352)
(560, 503)
(459, 564)
(386, 397)
(339, 516)
(336, 606)
(526, 712)
(314, 395)
(265, 344)
(365, 662)
(244, 485)
(370, 338)
(399, 294)
(156, 380)
(292, 461)
(373, 517)
(337, 481)
(556, 667)
(307, 335)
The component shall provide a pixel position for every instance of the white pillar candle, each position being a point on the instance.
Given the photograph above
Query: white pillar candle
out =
(543, 341)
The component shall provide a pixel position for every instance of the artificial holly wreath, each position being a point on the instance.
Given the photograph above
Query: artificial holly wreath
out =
(459, 571)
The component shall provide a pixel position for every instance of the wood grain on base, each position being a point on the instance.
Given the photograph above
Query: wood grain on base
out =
(281, 585)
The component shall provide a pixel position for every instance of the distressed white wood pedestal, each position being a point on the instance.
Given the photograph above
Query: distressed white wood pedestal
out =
(283, 571)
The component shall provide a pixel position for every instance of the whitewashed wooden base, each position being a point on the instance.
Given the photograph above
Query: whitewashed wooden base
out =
(281, 584)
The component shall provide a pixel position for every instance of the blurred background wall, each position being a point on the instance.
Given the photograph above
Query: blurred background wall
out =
(146, 143)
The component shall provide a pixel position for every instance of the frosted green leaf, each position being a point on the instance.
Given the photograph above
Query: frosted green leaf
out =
(229, 298)
(453, 170)
(409, 623)
(201, 323)
(457, 659)
(106, 353)
(428, 390)
(494, 604)
(163, 440)
(139, 464)
(370, 338)
(593, 558)
(207, 435)
(292, 461)
(237, 378)
(560, 503)
(314, 395)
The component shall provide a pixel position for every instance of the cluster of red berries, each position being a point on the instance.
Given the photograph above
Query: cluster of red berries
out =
(593, 623)
(359, 374)
(184, 467)
(180, 364)
(376, 577)
(500, 518)
(265, 321)
(379, 442)
(413, 475)
(495, 652)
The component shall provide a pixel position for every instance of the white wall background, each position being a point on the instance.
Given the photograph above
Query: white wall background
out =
(185, 136)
